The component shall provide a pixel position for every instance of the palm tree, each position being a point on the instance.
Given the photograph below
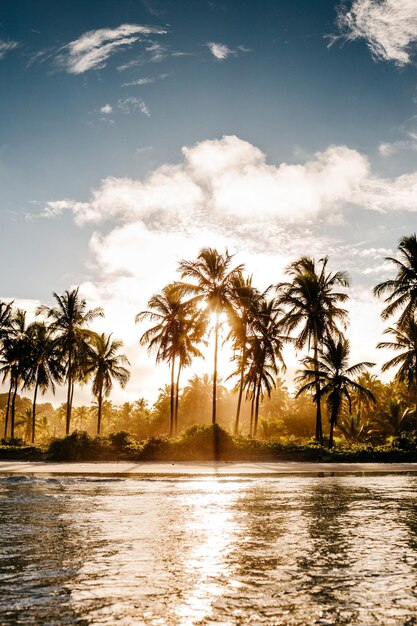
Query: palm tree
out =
(313, 307)
(44, 367)
(105, 364)
(68, 320)
(167, 310)
(334, 373)
(245, 299)
(405, 342)
(402, 290)
(212, 276)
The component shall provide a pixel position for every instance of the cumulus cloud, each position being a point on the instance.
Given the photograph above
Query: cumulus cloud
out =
(389, 27)
(93, 49)
(221, 51)
(7, 46)
(106, 109)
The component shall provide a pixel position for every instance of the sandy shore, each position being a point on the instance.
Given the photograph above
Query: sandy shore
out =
(201, 468)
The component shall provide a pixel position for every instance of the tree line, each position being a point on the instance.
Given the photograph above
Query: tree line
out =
(306, 311)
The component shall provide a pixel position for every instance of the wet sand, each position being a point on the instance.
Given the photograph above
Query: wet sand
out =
(201, 468)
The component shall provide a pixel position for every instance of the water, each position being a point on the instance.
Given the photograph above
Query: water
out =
(283, 550)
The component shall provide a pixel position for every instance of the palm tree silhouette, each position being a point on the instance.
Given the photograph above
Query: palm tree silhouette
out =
(401, 290)
(68, 320)
(313, 307)
(335, 374)
(212, 276)
(104, 365)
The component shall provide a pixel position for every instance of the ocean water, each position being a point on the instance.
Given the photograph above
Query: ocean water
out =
(209, 550)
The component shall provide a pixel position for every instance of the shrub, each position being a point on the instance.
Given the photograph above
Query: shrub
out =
(78, 446)
(16, 442)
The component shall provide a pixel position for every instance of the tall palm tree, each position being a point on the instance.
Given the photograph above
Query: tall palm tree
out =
(211, 274)
(44, 367)
(312, 304)
(245, 300)
(168, 336)
(68, 320)
(401, 290)
(264, 355)
(106, 365)
(405, 342)
(332, 367)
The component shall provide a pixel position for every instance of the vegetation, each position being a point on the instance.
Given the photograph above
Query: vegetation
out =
(258, 418)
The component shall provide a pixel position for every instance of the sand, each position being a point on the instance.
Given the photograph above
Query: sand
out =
(187, 468)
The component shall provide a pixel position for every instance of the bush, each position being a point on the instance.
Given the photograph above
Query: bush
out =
(121, 439)
(78, 446)
(16, 442)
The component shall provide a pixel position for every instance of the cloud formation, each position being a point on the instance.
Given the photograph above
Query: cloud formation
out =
(389, 27)
(132, 104)
(7, 46)
(93, 49)
(221, 51)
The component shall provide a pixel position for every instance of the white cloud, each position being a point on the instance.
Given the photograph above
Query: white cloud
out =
(389, 27)
(7, 46)
(221, 51)
(92, 49)
(132, 104)
(106, 109)
(146, 80)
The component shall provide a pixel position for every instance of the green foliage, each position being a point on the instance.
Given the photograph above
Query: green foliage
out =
(16, 442)
(121, 439)
(78, 446)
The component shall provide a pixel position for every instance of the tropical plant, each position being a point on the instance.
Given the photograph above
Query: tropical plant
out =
(212, 275)
(68, 320)
(105, 365)
(401, 290)
(312, 307)
(331, 366)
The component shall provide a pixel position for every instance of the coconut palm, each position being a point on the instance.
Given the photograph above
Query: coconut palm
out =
(245, 299)
(335, 375)
(68, 320)
(405, 342)
(168, 336)
(44, 366)
(312, 304)
(212, 275)
(105, 365)
(401, 290)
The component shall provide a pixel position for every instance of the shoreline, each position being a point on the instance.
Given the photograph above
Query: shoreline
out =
(202, 468)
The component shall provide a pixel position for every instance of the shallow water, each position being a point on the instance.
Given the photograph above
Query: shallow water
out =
(207, 550)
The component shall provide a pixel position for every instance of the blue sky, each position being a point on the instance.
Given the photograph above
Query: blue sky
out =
(134, 132)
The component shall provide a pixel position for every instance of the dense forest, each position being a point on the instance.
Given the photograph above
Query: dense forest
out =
(214, 300)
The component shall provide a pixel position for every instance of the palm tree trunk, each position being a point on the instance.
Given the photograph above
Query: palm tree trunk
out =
(8, 408)
(216, 347)
(34, 410)
(252, 407)
(177, 386)
(13, 407)
(239, 399)
(172, 403)
(100, 404)
(258, 394)
(69, 397)
(319, 429)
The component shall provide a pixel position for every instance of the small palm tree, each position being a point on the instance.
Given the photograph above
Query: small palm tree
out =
(212, 275)
(401, 290)
(312, 302)
(105, 365)
(68, 320)
(335, 375)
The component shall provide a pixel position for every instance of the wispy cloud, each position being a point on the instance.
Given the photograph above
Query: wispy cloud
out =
(221, 51)
(93, 49)
(132, 104)
(146, 80)
(106, 109)
(7, 46)
(389, 27)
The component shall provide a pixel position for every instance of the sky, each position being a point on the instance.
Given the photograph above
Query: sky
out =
(135, 132)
